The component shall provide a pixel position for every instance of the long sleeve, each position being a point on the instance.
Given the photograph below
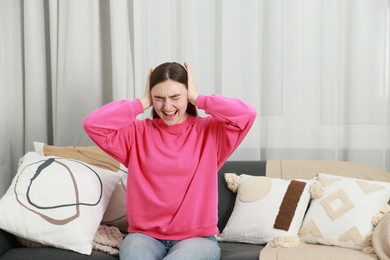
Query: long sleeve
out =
(233, 120)
(111, 127)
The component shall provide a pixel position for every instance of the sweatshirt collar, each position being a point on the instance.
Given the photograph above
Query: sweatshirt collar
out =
(177, 128)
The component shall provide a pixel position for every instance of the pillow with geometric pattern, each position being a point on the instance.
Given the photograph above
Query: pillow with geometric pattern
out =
(342, 216)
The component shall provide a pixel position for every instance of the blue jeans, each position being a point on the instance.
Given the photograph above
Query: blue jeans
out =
(139, 246)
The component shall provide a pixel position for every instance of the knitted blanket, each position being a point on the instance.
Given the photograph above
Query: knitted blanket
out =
(107, 239)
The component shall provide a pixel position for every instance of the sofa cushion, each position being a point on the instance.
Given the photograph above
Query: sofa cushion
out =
(343, 215)
(52, 254)
(308, 169)
(90, 154)
(7, 242)
(309, 252)
(56, 201)
(115, 214)
(266, 209)
(234, 251)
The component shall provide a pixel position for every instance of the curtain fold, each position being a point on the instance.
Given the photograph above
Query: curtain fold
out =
(316, 71)
(11, 87)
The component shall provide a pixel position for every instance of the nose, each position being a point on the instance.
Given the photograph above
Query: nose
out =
(167, 103)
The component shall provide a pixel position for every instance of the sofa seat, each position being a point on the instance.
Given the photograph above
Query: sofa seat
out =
(52, 253)
(234, 251)
(13, 250)
(312, 251)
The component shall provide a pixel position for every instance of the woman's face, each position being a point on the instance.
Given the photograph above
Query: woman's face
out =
(170, 101)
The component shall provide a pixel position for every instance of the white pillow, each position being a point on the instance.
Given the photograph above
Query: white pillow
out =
(342, 216)
(115, 214)
(266, 209)
(57, 202)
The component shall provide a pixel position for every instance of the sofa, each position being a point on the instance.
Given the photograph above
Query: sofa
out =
(12, 249)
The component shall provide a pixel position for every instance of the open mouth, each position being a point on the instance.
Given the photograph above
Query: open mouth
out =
(170, 114)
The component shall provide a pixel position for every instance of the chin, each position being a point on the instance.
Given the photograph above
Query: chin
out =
(170, 122)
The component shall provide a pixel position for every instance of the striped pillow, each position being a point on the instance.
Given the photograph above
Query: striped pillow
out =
(266, 208)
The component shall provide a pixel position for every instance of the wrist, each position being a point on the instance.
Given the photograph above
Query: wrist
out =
(146, 103)
(193, 99)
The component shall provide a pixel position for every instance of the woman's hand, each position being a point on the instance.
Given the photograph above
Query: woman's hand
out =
(147, 98)
(193, 88)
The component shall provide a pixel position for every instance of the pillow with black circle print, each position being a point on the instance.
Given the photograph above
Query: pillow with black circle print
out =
(115, 214)
(57, 202)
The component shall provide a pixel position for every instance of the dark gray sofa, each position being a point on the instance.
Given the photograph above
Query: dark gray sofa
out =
(11, 249)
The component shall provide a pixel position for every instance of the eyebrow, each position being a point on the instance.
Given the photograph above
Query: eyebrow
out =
(173, 96)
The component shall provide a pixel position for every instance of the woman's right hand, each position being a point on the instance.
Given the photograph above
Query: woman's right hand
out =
(193, 88)
(147, 98)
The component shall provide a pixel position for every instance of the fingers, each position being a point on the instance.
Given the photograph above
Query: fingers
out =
(193, 88)
(186, 66)
(189, 72)
(149, 74)
(147, 100)
(148, 78)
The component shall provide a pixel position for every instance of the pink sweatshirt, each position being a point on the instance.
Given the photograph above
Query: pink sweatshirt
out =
(172, 183)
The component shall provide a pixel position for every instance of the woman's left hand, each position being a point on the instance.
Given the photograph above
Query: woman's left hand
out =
(193, 88)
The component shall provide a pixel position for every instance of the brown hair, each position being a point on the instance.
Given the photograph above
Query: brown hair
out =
(173, 71)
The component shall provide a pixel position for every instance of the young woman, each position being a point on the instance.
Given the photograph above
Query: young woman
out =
(172, 160)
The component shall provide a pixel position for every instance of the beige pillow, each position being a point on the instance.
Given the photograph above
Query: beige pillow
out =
(115, 214)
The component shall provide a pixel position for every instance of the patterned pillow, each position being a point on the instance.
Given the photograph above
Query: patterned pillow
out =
(266, 208)
(343, 215)
(57, 202)
(115, 214)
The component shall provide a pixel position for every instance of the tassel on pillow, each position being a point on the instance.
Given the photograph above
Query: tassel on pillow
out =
(369, 249)
(381, 214)
(385, 209)
(316, 190)
(233, 181)
(285, 242)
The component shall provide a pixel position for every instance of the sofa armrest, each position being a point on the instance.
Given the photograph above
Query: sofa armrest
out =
(7, 242)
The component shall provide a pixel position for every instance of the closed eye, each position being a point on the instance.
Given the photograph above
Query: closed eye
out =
(175, 97)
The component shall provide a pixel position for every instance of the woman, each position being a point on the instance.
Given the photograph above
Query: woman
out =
(172, 160)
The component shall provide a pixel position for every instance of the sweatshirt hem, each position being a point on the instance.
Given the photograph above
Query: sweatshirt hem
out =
(180, 235)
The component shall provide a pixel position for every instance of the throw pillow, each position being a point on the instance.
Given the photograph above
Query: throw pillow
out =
(115, 214)
(57, 202)
(266, 209)
(343, 215)
(89, 154)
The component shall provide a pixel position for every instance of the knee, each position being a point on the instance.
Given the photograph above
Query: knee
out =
(141, 246)
(215, 251)
(205, 248)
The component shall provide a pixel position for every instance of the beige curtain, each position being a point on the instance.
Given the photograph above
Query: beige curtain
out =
(317, 71)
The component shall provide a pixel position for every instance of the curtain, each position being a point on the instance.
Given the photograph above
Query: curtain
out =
(315, 70)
